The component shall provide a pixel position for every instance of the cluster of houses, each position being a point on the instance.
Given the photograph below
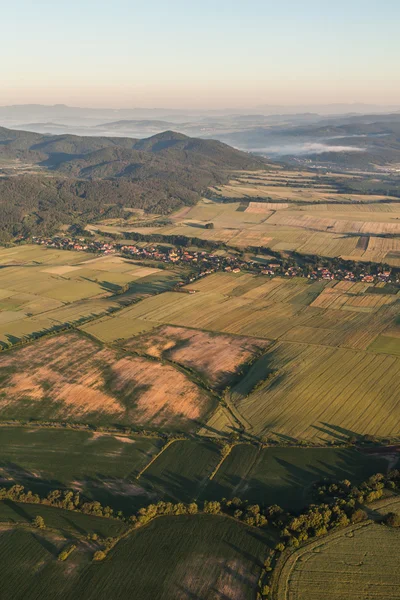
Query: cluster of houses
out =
(79, 245)
(206, 263)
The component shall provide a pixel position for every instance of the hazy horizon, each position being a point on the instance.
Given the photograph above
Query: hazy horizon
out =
(211, 55)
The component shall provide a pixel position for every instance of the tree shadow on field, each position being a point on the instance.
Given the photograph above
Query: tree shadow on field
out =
(283, 437)
(72, 525)
(204, 425)
(254, 560)
(15, 474)
(46, 544)
(188, 594)
(226, 489)
(18, 509)
(242, 579)
(340, 434)
(172, 486)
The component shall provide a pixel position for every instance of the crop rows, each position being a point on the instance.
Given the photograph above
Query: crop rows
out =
(322, 392)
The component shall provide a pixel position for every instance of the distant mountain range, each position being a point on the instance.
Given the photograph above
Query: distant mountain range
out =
(362, 141)
(49, 180)
(306, 135)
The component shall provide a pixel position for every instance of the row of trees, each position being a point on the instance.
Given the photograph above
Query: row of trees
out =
(339, 504)
(66, 499)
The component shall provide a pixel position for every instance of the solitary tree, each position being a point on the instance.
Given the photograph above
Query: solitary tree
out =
(38, 522)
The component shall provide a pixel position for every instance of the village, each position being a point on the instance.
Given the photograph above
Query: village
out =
(204, 262)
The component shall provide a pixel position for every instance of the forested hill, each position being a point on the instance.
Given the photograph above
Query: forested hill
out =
(49, 180)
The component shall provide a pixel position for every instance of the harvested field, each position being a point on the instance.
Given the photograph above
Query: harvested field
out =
(109, 329)
(334, 225)
(273, 191)
(88, 381)
(322, 313)
(265, 207)
(294, 205)
(41, 288)
(357, 562)
(216, 357)
(321, 393)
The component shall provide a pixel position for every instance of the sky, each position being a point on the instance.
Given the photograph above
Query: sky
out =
(199, 53)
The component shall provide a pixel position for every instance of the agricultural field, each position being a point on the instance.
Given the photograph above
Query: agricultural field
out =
(199, 556)
(69, 522)
(215, 357)
(104, 467)
(321, 393)
(41, 288)
(289, 211)
(327, 313)
(73, 377)
(182, 471)
(358, 562)
(294, 186)
(335, 341)
(285, 476)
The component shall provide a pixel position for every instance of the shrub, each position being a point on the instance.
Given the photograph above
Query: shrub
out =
(65, 553)
(359, 515)
(393, 520)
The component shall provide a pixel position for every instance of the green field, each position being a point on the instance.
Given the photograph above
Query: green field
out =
(184, 557)
(104, 467)
(285, 476)
(72, 523)
(182, 471)
(385, 344)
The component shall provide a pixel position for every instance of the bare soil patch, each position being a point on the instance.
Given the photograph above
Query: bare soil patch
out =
(72, 376)
(216, 356)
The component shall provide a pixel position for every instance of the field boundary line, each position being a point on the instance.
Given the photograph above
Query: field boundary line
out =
(287, 562)
(221, 461)
(239, 418)
(152, 460)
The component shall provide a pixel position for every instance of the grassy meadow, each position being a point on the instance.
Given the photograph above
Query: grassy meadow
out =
(69, 522)
(182, 471)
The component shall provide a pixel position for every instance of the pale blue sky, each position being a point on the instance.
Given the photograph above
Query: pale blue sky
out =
(197, 54)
